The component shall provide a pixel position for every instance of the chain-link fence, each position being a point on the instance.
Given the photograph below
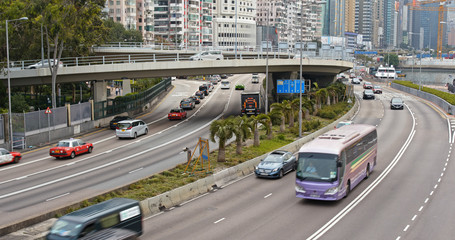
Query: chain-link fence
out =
(80, 113)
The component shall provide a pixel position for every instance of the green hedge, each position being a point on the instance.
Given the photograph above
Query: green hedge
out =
(449, 97)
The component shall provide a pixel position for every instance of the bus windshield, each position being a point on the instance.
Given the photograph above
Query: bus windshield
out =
(318, 167)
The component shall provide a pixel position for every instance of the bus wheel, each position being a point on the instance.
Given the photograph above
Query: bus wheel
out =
(348, 189)
(367, 171)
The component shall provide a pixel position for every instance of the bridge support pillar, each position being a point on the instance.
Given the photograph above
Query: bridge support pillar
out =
(100, 91)
(126, 86)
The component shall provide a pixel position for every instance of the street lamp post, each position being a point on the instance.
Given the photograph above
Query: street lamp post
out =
(267, 67)
(300, 73)
(235, 44)
(9, 83)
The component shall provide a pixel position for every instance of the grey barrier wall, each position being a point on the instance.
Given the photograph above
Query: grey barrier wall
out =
(447, 107)
(179, 195)
(80, 113)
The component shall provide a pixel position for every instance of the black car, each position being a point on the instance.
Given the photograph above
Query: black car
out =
(396, 103)
(200, 94)
(116, 119)
(196, 99)
(368, 94)
(224, 76)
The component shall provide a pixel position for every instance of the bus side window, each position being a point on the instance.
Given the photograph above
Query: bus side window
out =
(88, 229)
(343, 164)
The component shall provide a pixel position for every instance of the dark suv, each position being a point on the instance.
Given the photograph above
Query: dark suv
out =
(396, 103)
(113, 123)
(204, 89)
(368, 94)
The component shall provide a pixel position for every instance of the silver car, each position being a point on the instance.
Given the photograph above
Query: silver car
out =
(131, 129)
(208, 55)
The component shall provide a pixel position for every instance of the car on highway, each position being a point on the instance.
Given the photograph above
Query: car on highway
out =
(225, 84)
(195, 98)
(177, 114)
(131, 129)
(200, 94)
(70, 148)
(239, 87)
(44, 64)
(367, 85)
(187, 103)
(113, 123)
(368, 94)
(9, 157)
(396, 103)
(255, 78)
(276, 164)
(208, 55)
(224, 76)
(355, 81)
(204, 89)
(343, 123)
(377, 89)
(209, 86)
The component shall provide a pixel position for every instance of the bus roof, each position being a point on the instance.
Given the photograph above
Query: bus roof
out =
(334, 141)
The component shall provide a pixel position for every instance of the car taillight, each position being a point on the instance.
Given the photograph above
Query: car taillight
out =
(117, 127)
(129, 127)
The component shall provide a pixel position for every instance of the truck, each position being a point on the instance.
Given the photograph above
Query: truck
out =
(251, 103)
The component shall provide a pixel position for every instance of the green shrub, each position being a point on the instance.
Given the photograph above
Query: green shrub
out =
(327, 113)
(449, 97)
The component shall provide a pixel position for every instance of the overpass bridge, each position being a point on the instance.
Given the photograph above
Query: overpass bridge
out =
(132, 67)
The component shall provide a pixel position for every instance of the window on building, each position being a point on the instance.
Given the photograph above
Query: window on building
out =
(119, 19)
(118, 2)
(111, 3)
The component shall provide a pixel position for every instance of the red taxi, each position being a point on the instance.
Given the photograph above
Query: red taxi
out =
(176, 113)
(70, 148)
(9, 157)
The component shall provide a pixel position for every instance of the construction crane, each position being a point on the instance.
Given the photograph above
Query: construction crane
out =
(416, 5)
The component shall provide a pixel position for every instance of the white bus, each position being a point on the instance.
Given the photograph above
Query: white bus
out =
(386, 72)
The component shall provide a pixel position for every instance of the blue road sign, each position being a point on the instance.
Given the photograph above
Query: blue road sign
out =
(289, 86)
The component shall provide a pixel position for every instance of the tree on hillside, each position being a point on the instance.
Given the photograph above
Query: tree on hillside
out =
(71, 25)
(221, 129)
(118, 33)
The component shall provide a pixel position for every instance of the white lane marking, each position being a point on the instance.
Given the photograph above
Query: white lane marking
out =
(139, 169)
(69, 164)
(154, 215)
(193, 199)
(59, 196)
(421, 208)
(426, 200)
(406, 228)
(268, 195)
(217, 221)
(320, 232)
(20, 178)
(414, 218)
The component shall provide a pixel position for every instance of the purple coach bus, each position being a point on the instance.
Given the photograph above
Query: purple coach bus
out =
(335, 162)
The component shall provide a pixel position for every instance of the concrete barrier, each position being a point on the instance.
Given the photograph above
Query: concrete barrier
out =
(179, 195)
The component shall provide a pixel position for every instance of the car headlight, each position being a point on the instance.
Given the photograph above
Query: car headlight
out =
(256, 168)
(276, 169)
(299, 189)
(331, 191)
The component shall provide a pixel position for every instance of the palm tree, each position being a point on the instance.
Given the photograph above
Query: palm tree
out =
(242, 131)
(295, 107)
(262, 119)
(278, 109)
(222, 129)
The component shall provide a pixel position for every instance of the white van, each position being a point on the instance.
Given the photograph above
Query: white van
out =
(208, 55)
(225, 84)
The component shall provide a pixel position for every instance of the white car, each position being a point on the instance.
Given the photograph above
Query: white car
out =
(225, 84)
(131, 128)
(255, 78)
(44, 64)
(208, 55)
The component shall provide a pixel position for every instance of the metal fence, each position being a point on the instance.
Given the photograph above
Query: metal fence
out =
(80, 113)
(2, 129)
(119, 105)
(25, 124)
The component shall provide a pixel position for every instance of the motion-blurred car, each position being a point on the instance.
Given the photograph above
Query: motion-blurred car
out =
(9, 157)
(225, 84)
(113, 123)
(355, 81)
(377, 89)
(396, 103)
(200, 94)
(196, 99)
(176, 113)
(367, 85)
(368, 94)
(239, 87)
(187, 103)
(70, 148)
(276, 164)
(131, 129)
(204, 89)
(207, 55)
(44, 64)
(224, 76)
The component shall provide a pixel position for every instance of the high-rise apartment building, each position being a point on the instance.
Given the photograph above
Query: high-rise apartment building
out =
(350, 15)
(363, 19)
(234, 24)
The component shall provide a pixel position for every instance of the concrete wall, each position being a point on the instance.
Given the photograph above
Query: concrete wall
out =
(179, 195)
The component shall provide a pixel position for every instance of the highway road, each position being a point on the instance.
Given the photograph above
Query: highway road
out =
(41, 183)
(408, 196)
